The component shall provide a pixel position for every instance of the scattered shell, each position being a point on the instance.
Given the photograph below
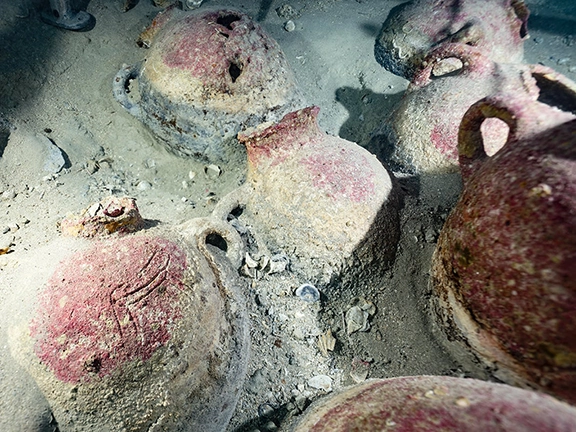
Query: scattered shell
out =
(94, 209)
(91, 166)
(462, 402)
(250, 262)
(192, 4)
(358, 314)
(308, 293)
(326, 342)
(212, 171)
(321, 382)
(278, 263)
(6, 243)
(356, 320)
(265, 265)
(446, 66)
(360, 369)
(143, 185)
(364, 304)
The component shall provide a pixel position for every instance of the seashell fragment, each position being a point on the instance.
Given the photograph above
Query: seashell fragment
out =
(308, 293)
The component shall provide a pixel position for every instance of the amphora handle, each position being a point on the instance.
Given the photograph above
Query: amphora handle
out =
(471, 150)
(120, 88)
(524, 115)
(472, 60)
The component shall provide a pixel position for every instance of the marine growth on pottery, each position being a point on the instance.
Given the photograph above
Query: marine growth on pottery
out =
(321, 199)
(497, 28)
(208, 75)
(146, 329)
(504, 271)
(436, 403)
(423, 128)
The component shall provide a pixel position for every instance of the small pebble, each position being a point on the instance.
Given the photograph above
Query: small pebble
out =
(8, 195)
(289, 26)
(563, 61)
(143, 185)
(54, 161)
(286, 11)
(265, 410)
(256, 382)
(5, 244)
(538, 40)
(270, 426)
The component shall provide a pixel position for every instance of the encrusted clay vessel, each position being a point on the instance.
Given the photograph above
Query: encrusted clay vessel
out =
(323, 200)
(208, 75)
(497, 28)
(423, 129)
(437, 403)
(504, 271)
(146, 331)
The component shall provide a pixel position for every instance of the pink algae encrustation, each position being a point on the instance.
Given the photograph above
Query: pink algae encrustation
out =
(199, 47)
(274, 144)
(444, 141)
(338, 170)
(338, 179)
(109, 304)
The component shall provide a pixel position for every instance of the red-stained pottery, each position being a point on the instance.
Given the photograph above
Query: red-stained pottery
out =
(504, 271)
(208, 75)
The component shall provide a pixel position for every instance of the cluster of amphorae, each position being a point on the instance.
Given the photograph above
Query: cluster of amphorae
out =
(148, 330)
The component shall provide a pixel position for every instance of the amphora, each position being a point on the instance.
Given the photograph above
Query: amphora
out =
(497, 28)
(133, 332)
(423, 129)
(429, 403)
(504, 271)
(207, 75)
(326, 202)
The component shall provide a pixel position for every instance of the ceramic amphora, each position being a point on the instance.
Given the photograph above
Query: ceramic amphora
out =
(326, 202)
(436, 403)
(423, 129)
(142, 332)
(504, 271)
(497, 28)
(207, 75)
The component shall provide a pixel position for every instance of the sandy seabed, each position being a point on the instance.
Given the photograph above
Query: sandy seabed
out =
(58, 84)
